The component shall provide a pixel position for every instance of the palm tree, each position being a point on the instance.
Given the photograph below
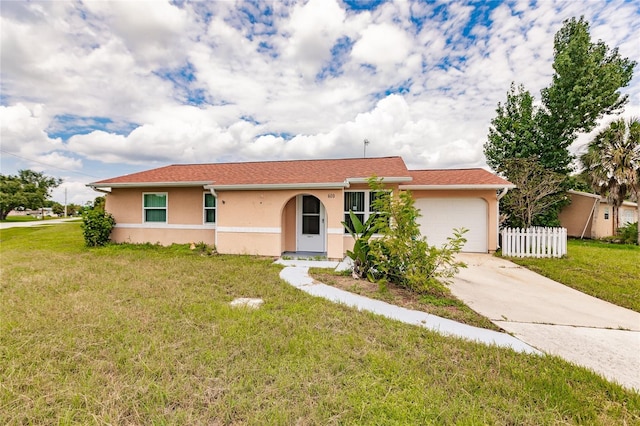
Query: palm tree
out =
(612, 162)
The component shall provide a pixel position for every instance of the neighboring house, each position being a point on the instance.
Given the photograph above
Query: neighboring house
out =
(270, 208)
(590, 216)
(44, 211)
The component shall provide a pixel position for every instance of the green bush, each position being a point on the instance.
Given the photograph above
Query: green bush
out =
(97, 226)
(361, 233)
(629, 233)
(400, 254)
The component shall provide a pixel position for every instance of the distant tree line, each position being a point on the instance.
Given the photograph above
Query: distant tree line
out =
(30, 190)
(27, 189)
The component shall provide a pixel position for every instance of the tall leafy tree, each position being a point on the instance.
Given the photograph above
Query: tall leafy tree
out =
(513, 149)
(28, 189)
(513, 132)
(586, 85)
(612, 163)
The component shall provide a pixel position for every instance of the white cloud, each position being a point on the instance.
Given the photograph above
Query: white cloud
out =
(178, 134)
(312, 30)
(56, 160)
(382, 45)
(153, 31)
(273, 82)
(22, 129)
(76, 192)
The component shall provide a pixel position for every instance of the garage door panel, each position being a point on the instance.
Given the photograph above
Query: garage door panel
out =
(441, 215)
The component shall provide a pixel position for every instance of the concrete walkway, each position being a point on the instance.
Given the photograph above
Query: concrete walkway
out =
(297, 274)
(6, 225)
(552, 317)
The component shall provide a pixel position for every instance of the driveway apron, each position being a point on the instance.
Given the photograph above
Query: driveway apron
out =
(552, 317)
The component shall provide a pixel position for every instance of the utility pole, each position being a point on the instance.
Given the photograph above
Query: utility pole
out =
(366, 142)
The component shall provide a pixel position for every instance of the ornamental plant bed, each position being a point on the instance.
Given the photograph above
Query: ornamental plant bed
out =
(444, 305)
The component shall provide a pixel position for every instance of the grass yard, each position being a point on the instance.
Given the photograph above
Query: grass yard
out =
(145, 335)
(607, 271)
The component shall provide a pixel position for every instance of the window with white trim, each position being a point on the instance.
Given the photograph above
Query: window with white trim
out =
(361, 204)
(209, 208)
(154, 206)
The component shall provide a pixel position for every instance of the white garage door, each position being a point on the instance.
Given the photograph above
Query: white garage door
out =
(441, 215)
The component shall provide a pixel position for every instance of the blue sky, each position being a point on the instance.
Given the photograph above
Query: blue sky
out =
(91, 90)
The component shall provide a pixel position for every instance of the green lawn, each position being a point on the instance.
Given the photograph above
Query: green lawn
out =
(610, 272)
(145, 335)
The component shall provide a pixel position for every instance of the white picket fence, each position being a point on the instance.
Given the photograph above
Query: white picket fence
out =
(534, 242)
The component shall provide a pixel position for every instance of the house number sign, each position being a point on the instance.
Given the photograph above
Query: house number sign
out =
(331, 195)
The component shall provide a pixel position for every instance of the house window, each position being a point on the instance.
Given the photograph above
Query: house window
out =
(155, 207)
(209, 208)
(361, 204)
(606, 213)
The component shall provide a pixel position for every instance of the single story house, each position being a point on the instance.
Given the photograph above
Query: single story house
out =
(273, 207)
(591, 216)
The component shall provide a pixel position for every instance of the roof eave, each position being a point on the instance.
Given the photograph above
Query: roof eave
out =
(584, 194)
(95, 185)
(384, 179)
(276, 186)
(457, 187)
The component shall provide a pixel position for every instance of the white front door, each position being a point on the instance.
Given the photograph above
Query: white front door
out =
(311, 226)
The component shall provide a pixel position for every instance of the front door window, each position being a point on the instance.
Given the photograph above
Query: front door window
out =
(310, 215)
(311, 226)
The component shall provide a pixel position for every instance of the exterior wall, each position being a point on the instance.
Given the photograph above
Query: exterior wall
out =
(601, 223)
(252, 222)
(605, 227)
(165, 237)
(604, 223)
(489, 196)
(578, 214)
(289, 226)
(259, 222)
(185, 217)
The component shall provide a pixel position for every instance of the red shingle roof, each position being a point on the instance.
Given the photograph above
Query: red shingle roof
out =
(456, 177)
(304, 172)
(268, 172)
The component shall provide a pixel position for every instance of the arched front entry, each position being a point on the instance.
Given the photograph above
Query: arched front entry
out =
(304, 225)
(311, 229)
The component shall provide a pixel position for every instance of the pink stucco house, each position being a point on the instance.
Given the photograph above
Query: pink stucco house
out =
(272, 207)
(591, 216)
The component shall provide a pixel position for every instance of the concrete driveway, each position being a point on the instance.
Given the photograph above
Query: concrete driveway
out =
(552, 317)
